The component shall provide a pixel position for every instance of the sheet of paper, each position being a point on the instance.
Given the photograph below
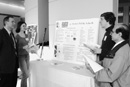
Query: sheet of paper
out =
(91, 46)
(95, 66)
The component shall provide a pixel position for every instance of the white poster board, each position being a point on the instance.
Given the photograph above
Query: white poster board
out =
(70, 35)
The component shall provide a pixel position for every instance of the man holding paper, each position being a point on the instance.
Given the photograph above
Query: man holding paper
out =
(116, 72)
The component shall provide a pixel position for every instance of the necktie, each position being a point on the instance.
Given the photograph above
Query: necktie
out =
(12, 37)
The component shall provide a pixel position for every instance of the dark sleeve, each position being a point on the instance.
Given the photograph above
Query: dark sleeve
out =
(0, 39)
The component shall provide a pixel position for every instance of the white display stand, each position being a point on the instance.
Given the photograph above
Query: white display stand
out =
(59, 74)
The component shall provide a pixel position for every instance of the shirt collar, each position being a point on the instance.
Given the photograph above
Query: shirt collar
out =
(7, 30)
(109, 28)
(118, 43)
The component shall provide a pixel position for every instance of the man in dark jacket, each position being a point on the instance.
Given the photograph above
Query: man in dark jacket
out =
(8, 54)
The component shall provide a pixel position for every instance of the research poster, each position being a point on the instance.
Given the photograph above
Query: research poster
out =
(32, 32)
(70, 37)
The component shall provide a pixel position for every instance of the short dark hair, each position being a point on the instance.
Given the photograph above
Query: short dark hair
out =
(124, 29)
(19, 25)
(109, 17)
(7, 19)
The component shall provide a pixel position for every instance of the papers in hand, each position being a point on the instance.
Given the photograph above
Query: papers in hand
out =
(95, 66)
(91, 46)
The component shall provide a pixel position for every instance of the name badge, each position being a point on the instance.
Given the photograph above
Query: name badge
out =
(105, 38)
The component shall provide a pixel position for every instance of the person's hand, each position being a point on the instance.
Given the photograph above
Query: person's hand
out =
(26, 47)
(89, 68)
(99, 62)
(97, 50)
(30, 44)
(33, 49)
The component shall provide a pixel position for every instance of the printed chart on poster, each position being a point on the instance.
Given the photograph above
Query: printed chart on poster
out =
(70, 37)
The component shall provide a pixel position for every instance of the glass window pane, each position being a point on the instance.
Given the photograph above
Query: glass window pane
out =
(120, 14)
(120, 19)
(120, 10)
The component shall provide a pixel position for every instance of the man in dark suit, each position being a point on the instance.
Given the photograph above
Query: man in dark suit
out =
(107, 21)
(8, 54)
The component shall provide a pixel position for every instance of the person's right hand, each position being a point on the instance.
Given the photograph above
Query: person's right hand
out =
(34, 49)
(97, 50)
(26, 47)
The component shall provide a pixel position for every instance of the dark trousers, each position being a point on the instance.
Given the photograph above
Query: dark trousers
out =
(8, 79)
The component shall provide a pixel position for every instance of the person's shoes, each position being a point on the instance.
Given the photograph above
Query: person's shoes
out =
(19, 77)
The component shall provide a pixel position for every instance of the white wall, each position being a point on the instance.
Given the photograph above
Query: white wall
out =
(77, 9)
(31, 11)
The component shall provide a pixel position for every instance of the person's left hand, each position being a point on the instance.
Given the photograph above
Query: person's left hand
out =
(89, 68)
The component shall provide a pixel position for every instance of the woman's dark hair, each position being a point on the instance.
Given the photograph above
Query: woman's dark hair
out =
(109, 17)
(124, 29)
(19, 25)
